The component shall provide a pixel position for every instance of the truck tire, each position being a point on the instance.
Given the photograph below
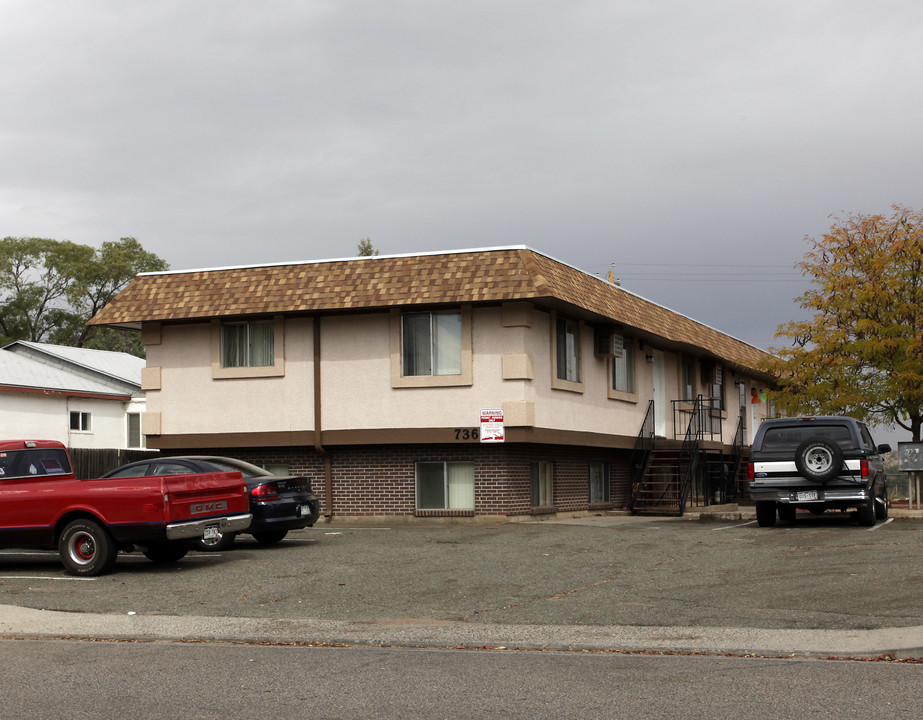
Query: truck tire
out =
(166, 552)
(881, 507)
(86, 548)
(865, 515)
(818, 459)
(765, 513)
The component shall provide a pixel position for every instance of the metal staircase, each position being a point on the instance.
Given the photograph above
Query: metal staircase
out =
(667, 474)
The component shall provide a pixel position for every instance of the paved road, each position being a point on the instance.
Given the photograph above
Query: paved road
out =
(824, 586)
(51, 679)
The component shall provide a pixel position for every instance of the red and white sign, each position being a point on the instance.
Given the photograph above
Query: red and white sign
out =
(491, 425)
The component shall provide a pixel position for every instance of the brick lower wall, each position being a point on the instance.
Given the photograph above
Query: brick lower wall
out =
(381, 481)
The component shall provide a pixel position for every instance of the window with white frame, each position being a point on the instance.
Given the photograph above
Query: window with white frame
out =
(445, 486)
(623, 369)
(248, 344)
(567, 349)
(542, 482)
(81, 421)
(599, 482)
(431, 344)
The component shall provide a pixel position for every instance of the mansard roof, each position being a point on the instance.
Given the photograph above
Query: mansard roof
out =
(490, 275)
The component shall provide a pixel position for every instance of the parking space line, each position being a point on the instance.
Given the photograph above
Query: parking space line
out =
(729, 527)
(39, 577)
(880, 525)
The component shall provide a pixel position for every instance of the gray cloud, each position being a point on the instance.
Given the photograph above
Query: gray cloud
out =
(713, 135)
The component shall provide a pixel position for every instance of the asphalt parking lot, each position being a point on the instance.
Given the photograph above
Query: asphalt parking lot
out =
(822, 573)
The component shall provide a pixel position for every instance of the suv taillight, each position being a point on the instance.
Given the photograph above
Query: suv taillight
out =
(864, 468)
(751, 473)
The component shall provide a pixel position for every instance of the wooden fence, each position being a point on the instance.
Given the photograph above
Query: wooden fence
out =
(91, 462)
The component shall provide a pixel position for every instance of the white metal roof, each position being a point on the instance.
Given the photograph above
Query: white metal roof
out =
(60, 368)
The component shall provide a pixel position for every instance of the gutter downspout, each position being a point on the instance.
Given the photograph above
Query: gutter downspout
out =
(318, 442)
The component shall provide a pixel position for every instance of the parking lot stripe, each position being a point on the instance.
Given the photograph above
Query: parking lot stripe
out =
(729, 527)
(880, 525)
(39, 577)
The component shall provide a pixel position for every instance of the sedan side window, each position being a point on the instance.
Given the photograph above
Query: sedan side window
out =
(133, 471)
(166, 468)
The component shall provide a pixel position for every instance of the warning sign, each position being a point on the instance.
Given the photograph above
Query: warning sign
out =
(491, 425)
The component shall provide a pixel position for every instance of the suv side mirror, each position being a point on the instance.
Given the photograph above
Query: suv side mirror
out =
(884, 448)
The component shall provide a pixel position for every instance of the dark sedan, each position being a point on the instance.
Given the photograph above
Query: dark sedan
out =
(278, 503)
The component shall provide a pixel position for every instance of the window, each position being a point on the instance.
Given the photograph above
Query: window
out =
(131, 471)
(248, 344)
(688, 379)
(445, 486)
(431, 349)
(431, 344)
(599, 482)
(787, 439)
(80, 421)
(623, 369)
(717, 388)
(134, 438)
(542, 480)
(23, 463)
(567, 349)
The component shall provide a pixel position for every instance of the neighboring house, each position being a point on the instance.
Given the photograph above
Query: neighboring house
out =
(83, 398)
(371, 375)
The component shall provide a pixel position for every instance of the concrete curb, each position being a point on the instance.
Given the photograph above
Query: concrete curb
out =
(19, 622)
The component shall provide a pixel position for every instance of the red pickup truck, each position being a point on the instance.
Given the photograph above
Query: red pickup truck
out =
(42, 505)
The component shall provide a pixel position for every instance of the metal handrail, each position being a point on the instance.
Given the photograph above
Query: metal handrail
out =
(687, 462)
(641, 453)
(737, 454)
(704, 411)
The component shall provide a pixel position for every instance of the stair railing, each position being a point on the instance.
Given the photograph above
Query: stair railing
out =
(688, 462)
(641, 454)
(737, 454)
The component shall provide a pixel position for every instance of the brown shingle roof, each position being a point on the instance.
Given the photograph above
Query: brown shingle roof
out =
(477, 276)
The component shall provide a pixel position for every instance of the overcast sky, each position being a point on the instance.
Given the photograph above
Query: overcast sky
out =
(693, 145)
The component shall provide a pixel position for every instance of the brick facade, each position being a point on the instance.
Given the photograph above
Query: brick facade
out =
(380, 481)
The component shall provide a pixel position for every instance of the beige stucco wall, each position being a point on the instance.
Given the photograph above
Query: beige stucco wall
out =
(511, 368)
(190, 400)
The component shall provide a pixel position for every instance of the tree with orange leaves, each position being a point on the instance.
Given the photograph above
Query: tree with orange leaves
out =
(861, 353)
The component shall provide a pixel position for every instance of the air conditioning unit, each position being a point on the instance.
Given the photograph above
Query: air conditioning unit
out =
(609, 343)
(712, 374)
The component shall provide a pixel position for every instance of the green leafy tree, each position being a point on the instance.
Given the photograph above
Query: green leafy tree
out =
(365, 248)
(49, 289)
(861, 352)
(35, 276)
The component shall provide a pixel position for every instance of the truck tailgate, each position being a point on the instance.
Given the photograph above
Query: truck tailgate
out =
(205, 495)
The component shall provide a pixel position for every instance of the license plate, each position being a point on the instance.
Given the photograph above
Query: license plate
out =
(211, 532)
(806, 495)
(304, 510)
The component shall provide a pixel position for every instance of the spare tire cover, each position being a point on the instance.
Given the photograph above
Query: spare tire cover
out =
(819, 459)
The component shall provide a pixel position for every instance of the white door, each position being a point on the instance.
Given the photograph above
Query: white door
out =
(660, 397)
